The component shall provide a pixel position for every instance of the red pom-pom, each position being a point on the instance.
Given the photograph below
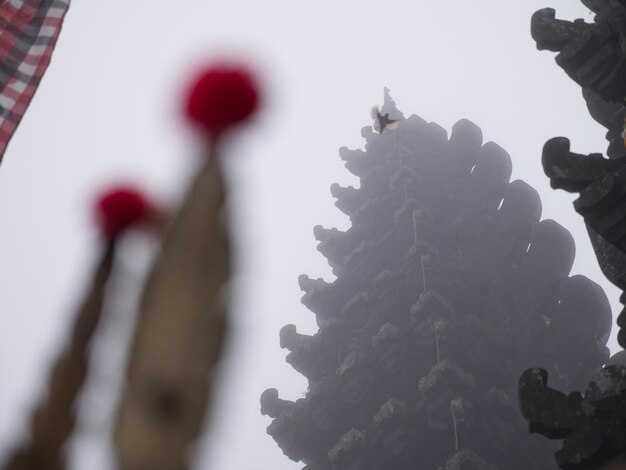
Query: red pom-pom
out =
(120, 208)
(220, 97)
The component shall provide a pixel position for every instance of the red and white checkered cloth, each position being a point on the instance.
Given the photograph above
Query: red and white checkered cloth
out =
(28, 33)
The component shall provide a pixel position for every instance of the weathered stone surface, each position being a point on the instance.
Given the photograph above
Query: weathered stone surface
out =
(465, 459)
(602, 202)
(592, 54)
(593, 426)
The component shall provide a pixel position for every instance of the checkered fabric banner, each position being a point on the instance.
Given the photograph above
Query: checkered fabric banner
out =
(28, 32)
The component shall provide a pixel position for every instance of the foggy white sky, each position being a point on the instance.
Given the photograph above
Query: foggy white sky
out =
(108, 110)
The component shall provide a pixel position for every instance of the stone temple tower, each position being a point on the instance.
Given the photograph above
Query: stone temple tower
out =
(448, 286)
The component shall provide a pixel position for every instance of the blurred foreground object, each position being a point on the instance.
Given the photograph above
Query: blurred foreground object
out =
(28, 33)
(54, 418)
(121, 208)
(591, 424)
(182, 319)
(221, 97)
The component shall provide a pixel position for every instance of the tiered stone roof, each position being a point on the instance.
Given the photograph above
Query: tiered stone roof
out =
(448, 287)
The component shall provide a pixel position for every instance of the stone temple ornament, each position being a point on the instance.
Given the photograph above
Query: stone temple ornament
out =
(592, 422)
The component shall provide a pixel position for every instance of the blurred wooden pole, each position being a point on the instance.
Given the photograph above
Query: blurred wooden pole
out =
(54, 418)
(179, 334)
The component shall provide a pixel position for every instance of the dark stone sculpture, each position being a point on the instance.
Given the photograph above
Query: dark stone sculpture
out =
(602, 201)
(592, 54)
(592, 424)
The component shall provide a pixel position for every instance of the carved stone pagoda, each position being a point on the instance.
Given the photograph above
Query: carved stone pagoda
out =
(447, 287)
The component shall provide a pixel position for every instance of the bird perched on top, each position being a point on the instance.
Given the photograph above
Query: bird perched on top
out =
(382, 122)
